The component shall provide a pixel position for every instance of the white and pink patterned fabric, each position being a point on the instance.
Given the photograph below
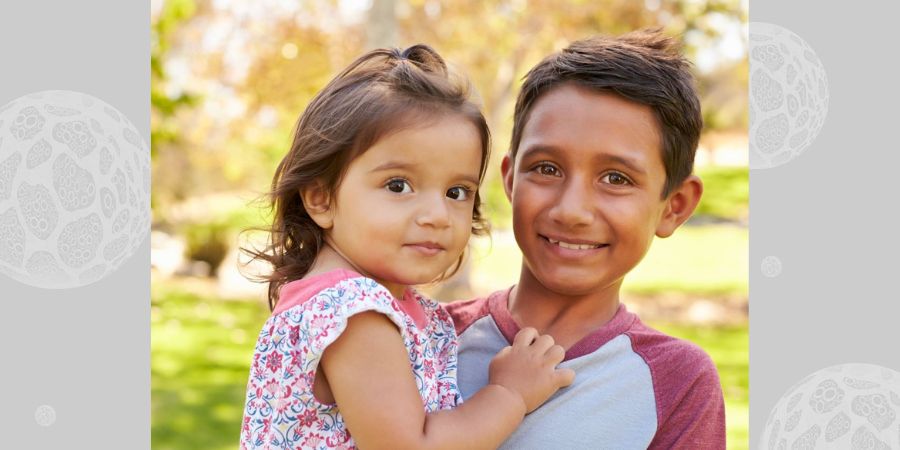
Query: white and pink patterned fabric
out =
(281, 411)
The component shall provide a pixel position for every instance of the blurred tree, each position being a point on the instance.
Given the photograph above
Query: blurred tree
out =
(165, 101)
(247, 69)
(381, 27)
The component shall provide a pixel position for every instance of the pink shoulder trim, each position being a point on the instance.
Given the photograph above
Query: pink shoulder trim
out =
(298, 291)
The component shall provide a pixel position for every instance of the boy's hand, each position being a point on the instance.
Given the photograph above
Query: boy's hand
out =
(528, 368)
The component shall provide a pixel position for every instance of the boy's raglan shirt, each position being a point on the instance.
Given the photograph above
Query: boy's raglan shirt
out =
(635, 388)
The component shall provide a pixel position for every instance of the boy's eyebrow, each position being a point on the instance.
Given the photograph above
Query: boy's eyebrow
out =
(394, 165)
(627, 162)
(539, 148)
(605, 157)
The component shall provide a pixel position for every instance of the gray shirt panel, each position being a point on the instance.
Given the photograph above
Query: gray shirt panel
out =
(611, 404)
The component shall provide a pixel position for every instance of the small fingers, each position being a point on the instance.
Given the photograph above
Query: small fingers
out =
(564, 377)
(555, 354)
(525, 337)
(543, 344)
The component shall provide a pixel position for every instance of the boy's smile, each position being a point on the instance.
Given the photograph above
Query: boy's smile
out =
(586, 188)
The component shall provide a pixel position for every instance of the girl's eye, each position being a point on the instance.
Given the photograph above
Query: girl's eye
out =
(616, 178)
(460, 193)
(398, 186)
(547, 169)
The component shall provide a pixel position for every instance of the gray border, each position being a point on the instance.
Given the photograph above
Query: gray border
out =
(83, 352)
(828, 214)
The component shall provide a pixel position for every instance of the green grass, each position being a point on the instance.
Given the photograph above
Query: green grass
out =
(696, 260)
(701, 260)
(726, 196)
(726, 192)
(202, 347)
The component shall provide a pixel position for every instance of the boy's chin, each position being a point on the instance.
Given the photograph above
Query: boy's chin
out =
(572, 284)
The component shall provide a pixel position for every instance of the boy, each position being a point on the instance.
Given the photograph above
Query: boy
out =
(601, 160)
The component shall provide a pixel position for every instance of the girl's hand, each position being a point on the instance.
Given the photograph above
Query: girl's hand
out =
(528, 368)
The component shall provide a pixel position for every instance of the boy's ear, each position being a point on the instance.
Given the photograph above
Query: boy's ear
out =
(680, 205)
(318, 204)
(506, 169)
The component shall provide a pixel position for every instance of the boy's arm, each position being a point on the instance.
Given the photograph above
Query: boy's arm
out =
(698, 419)
(368, 371)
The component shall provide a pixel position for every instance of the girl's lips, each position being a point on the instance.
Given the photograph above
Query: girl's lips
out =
(426, 248)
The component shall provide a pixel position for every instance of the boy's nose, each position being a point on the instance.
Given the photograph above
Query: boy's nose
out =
(573, 208)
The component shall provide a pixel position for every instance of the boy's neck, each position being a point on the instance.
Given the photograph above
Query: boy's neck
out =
(566, 317)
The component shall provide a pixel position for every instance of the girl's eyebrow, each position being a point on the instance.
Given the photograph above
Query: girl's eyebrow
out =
(394, 165)
(470, 179)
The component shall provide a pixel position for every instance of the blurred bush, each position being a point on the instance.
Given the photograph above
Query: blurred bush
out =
(207, 242)
(211, 239)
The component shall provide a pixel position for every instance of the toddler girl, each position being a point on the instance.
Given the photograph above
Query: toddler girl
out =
(378, 193)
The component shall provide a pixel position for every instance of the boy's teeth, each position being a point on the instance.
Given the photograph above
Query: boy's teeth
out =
(573, 246)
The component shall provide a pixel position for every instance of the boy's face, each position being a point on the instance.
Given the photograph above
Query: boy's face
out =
(586, 189)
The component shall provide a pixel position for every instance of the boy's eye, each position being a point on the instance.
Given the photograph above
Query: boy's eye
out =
(547, 169)
(460, 193)
(398, 186)
(616, 178)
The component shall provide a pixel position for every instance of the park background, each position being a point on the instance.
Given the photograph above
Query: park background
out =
(229, 79)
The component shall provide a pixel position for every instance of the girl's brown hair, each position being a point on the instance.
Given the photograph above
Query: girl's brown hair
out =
(382, 92)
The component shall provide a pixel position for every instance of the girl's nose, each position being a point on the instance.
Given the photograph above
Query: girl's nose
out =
(433, 212)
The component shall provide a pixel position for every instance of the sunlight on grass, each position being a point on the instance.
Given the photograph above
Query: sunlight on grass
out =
(199, 373)
(700, 260)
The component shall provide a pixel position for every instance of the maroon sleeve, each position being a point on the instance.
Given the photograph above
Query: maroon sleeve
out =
(465, 313)
(689, 401)
(698, 419)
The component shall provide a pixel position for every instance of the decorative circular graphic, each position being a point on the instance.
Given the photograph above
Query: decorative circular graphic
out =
(74, 189)
(45, 415)
(850, 406)
(771, 266)
(788, 95)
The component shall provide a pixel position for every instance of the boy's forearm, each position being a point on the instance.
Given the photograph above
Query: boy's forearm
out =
(484, 421)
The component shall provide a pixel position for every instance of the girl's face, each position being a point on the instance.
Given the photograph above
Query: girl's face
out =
(403, 211)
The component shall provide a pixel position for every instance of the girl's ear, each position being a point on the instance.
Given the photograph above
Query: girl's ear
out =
(317, 202)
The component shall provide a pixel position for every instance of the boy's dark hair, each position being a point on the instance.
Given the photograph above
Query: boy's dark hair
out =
(644, 66)
(382, 92)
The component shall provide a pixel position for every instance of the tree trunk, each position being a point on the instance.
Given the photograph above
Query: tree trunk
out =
(381, 27)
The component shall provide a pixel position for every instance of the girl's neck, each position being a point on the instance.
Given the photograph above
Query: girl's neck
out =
(330, 258)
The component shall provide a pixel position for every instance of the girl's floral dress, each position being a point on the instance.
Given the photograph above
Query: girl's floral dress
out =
(280, 411)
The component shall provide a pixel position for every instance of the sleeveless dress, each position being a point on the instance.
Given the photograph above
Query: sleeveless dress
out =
(280, 410)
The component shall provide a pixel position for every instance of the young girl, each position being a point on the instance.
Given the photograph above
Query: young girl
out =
(378, 193)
